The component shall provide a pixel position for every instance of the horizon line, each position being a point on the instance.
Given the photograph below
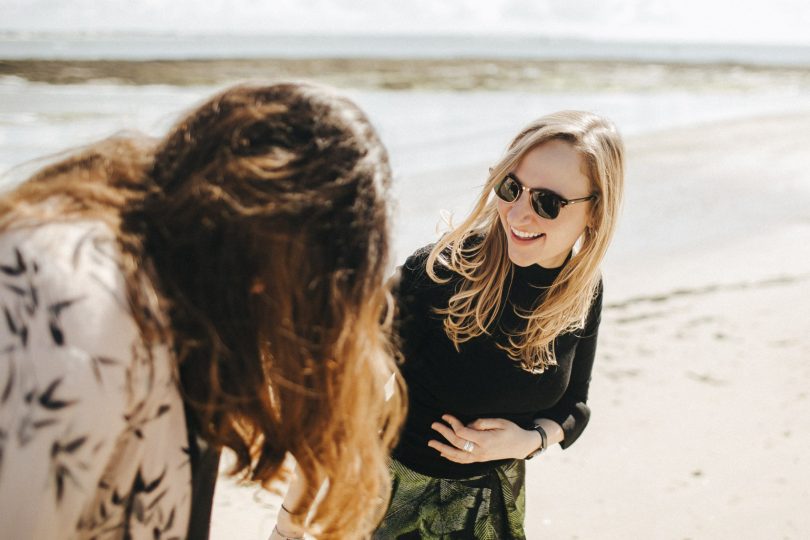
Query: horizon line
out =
(505, 35)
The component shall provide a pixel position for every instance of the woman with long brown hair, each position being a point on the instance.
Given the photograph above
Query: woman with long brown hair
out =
(226, 284)
(498, 324)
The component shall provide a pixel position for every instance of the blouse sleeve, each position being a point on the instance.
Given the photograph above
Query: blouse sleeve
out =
(572, 411)
(67, 366)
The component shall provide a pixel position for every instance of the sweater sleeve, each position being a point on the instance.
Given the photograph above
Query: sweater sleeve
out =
(572, 411)
(411, 287)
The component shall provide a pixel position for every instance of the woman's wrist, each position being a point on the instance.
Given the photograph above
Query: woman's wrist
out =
(277, 534)
(285, 526)
(554, 431)
(538, 444)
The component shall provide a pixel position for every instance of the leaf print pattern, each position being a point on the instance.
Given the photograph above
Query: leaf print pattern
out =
(92, 426)
(16, 327)
(49, 401)
(17, 269)
(60, 466)
(23, 274)
(487, 507)
(100, 362)
(40, 411)
(54, 311)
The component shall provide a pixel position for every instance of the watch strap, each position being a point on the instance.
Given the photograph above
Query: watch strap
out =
(543, 441)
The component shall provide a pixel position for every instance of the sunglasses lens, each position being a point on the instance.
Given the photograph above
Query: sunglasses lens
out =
(546, 204)
(507, 189)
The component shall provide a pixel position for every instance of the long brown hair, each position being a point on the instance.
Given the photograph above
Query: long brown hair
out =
(485, 265)
(262, 226)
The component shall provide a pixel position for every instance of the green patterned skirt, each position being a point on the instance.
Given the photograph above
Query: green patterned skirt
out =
(488, 507)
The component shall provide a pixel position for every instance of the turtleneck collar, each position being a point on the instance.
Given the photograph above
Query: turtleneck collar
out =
(538, 275)
(523, 291)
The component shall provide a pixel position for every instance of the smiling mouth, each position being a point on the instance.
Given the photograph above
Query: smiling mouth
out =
(523, 235)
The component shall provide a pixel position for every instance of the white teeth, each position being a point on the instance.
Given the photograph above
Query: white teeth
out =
(525, 235)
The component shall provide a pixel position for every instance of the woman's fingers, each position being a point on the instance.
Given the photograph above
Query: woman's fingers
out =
(452, 453)
(453, 421)
(488, 423)
(481, 440)
(449, 434)
(461, 430)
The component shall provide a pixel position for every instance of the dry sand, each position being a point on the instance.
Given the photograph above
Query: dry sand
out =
(700, 424)
(700, 395)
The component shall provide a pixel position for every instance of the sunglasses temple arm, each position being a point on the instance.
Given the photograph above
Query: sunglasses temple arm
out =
(565, 202)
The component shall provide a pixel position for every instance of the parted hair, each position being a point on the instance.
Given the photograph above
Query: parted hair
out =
(260, 225)
(477, 251)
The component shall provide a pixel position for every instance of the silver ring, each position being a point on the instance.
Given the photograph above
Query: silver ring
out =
(469, 446)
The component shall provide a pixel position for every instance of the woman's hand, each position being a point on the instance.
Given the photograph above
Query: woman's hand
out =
(486, 439)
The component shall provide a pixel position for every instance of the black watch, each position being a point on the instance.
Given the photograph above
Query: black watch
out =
(543, 441)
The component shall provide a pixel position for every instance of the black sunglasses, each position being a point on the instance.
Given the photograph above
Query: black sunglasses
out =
(545, 203)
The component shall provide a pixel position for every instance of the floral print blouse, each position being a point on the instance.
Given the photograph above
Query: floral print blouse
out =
(93, 441)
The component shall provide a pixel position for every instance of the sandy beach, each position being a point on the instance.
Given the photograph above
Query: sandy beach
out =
(701, 407)
(700, 395)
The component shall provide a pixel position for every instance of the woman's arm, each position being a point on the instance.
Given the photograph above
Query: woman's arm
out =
(571, 412)
(291, 519)
(411, 286)
(554, 434)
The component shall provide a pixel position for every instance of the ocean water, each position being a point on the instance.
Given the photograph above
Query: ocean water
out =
(440, 142)
(425, 130)
(89, 46)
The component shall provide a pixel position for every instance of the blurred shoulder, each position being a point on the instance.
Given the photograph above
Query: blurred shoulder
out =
(72, 270)
(74, 248)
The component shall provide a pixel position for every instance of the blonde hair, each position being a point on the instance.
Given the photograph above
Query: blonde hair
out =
(484, 265)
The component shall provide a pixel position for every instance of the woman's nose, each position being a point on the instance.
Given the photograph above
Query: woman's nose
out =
(521, 210)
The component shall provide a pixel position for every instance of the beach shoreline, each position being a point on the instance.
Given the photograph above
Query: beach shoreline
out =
(462, 74)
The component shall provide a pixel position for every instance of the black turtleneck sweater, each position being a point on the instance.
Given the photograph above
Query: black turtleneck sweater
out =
(480, 380)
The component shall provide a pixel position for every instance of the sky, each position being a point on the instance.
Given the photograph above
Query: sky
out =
(750, 21)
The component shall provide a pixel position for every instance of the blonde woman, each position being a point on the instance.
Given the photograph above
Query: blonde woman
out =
(498, 325)
(224, 287)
